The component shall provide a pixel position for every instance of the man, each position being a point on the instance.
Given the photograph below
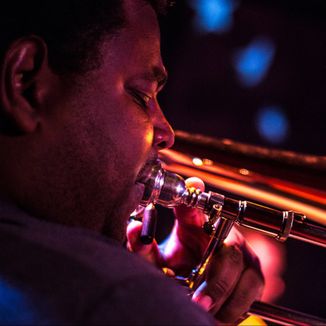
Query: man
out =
(80, 122)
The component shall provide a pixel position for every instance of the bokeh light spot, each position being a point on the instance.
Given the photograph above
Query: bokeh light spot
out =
(244, 171)
(213, 15)
(253, 62)
(272, 124)
(197, 161)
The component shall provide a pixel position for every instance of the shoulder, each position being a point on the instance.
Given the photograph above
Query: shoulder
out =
(146, 300)
(77, 276)
(61, 250)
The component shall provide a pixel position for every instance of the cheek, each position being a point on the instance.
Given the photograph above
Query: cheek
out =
(113, 133)
(135, 139)
(124, 137)
(132, 130)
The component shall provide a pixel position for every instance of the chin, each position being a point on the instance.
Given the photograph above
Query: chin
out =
(117, 220)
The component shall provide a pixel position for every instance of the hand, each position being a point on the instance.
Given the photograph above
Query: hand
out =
(234, 279)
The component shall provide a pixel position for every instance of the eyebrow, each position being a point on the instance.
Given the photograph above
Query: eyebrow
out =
(156, 74)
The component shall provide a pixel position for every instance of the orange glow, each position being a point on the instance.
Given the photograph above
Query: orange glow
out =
(273, 192)
(197, 161)
(247, 191)
(252, 321)
(244, 172)
(311, 195)
(149, 137)
(227, 142)
(208, 162)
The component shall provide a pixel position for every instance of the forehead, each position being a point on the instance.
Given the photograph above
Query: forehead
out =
(136, 48)
(142, 28)
(139, 12)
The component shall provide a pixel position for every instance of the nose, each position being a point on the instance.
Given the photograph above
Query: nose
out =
(163, 132)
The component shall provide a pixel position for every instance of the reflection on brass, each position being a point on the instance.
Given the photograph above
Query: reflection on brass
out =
(294, 210)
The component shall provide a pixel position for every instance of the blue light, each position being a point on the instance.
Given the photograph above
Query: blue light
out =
(252, 62)
(14, 306)
(272, 124)
(213, 15)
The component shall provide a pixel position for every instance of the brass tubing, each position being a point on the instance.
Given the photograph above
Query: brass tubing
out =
(309, 231)
(287, 182)
(283, 316)
(269, 220)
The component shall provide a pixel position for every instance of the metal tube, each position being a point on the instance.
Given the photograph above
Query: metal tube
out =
(309, 231)
(169, 190)
(280, 224)
(283, 316)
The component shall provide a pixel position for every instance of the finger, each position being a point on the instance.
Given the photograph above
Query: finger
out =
(148, 251)
(189, 216)
(234, 236)
(248, 289)
(187, 241)
(250, 257)
(188, 226)
(204, 300)
(196, 183)
(223, 275)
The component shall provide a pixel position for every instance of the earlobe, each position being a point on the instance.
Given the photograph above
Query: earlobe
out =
(21, 83)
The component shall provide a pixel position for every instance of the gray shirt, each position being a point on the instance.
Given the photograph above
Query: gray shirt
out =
(54, 274)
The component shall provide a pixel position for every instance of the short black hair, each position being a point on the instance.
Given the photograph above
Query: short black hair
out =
(72, 29)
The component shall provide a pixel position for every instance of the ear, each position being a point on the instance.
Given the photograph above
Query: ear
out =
(21, 83)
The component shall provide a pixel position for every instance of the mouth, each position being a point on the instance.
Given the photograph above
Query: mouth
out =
(138, 208)
(145, 172)
(144, 181)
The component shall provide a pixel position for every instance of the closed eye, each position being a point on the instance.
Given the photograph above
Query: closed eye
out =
(140, 98)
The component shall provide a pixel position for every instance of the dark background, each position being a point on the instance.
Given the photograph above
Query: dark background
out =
(205, 95)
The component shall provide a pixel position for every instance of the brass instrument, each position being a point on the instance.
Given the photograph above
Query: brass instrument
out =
(280, 221)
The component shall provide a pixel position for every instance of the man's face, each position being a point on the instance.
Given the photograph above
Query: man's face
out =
(105, 128)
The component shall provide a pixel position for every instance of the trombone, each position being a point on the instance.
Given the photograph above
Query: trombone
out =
(279, 220)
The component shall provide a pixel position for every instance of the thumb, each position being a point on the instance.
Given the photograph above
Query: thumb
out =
(187, 216)
(149, 252)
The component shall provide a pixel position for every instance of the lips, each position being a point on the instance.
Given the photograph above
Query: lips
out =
(145, 172)
(143, 181)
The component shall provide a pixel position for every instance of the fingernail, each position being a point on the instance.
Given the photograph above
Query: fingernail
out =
(205, 301)
(168, 272)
